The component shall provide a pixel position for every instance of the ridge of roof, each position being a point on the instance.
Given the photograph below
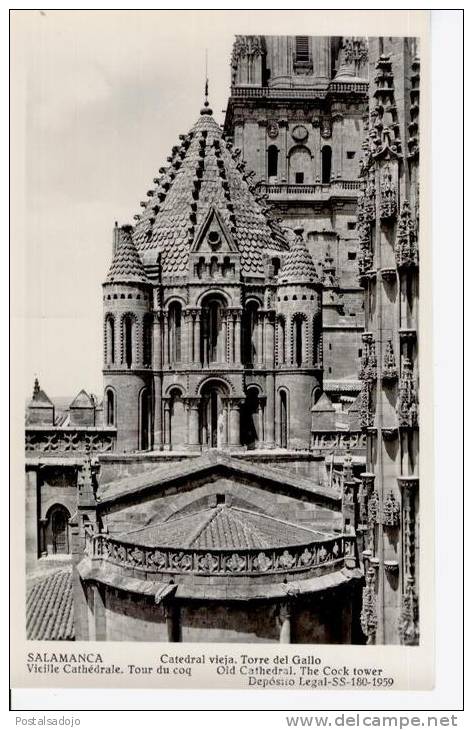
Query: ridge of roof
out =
(126, 266)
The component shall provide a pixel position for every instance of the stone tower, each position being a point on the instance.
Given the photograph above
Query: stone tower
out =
(297, 111)
(194, 358)
(299, 343)
(388, 223)
(127, 304)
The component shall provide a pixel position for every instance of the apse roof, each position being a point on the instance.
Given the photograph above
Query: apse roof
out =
(224, 527)
(204, 171)
(126, 266)
(298, 264)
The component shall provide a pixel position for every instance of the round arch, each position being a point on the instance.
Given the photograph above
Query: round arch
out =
(56, 531)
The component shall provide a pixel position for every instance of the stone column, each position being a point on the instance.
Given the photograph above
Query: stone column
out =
(285, 624)
(283, 172)
(196, 358)
(234, 421)
(204, 325)
(224, 334)
(337, 134)
(165, 339)
(167, 424)
(261, 429)
(231, 336)
(193, 405)
(237, 358)
(157, 381)
(43, 548)
(261, 352)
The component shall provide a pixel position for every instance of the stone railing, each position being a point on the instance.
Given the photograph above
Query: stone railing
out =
(299, 93)
(310, 190)
(330, 552)
(69, 439)
(339, 441)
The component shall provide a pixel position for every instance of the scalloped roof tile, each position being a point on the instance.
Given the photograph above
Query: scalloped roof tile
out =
(126, 266)
(207, 173)
(298, 264)
(49, 608)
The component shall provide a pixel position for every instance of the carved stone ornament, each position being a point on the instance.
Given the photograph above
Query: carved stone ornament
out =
(369, 618)
(389, 363)
(391, 511)
(272, 129)
(407, 409)
(409, 620)
(326, 127)
(300, 133)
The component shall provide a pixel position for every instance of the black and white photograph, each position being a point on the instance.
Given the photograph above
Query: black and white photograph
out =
(247, 470)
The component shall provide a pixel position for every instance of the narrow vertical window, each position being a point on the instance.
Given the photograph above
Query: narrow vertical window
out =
(298, 341)
(128, 336)
(272, 161)
(110, 407)
(326, 164)
(175, 317)
(283, 418)
(110, 340)
(147, 330)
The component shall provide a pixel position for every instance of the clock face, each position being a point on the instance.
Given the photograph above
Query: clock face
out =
(300, 133)
(273, 130)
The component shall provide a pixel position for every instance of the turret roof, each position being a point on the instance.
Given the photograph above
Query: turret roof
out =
(298, 264)
(205, 171)
(126, 266)
(39, 397)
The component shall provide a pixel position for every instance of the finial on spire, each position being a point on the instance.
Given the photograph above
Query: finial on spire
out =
(36, 386)
(206, 109)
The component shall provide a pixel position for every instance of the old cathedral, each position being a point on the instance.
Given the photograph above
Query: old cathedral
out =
(250, 473)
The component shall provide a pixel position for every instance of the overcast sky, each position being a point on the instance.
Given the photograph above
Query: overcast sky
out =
(106, 95)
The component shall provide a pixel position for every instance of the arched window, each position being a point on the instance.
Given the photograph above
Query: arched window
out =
(147, 335)
(110, 340)
(273, 153)
(128, 339)
(60, 530)
(250, 333)
(110, 407)
(283, 412)
(144, 420)
(175, 317)
(326, 164)
(276, 264)
(300, 165)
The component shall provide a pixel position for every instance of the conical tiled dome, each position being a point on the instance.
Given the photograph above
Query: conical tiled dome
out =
(298, 265)
(126, 265)
(204, 172)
